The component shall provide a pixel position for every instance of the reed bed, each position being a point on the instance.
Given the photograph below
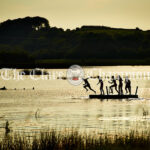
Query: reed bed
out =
(75, 140)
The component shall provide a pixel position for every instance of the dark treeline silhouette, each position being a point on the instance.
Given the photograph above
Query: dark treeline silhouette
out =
(31, 42)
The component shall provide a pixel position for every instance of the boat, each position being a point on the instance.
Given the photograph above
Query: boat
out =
(108, 96)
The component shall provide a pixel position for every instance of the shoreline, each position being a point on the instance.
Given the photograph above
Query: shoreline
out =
(64, 63)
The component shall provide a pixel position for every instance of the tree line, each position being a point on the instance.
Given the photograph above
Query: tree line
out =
(31, 41)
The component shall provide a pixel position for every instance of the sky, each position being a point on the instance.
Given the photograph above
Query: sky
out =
(75, 13)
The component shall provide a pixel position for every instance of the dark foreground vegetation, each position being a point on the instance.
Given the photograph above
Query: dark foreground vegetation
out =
(31, 42)
(73, 140)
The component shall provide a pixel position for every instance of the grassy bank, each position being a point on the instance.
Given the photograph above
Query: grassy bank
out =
(65, 63)
(74, 140)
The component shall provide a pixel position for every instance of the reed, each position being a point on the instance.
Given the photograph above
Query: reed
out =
(74, 140)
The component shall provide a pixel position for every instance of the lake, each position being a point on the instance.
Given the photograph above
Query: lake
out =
(55, 103)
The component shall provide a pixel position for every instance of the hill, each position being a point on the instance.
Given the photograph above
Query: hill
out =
(31, 42)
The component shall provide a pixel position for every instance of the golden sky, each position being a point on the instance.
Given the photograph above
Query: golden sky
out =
(75, 13)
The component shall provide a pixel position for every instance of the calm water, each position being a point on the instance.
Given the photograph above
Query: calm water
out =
(56, 103)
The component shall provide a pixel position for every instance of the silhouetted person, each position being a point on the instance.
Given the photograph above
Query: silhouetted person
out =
(120, 90)
(100, 81)
(128, 85)
(33, 88)
(86, 85)
(114, 85)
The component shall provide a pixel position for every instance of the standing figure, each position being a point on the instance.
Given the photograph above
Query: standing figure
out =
(120, 85)
(87, 85)
(114, 84)
(128, 85)
(100, 81)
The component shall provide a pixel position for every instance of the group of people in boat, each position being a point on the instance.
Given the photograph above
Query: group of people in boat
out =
(113, 82)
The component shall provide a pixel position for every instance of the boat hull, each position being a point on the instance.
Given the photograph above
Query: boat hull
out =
(112, 96)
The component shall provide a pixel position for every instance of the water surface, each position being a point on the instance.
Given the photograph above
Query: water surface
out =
(57, 104)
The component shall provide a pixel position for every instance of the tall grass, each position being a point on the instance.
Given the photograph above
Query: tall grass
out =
(74, 140)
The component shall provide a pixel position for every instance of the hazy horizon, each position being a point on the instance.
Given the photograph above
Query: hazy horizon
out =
(71, 14)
